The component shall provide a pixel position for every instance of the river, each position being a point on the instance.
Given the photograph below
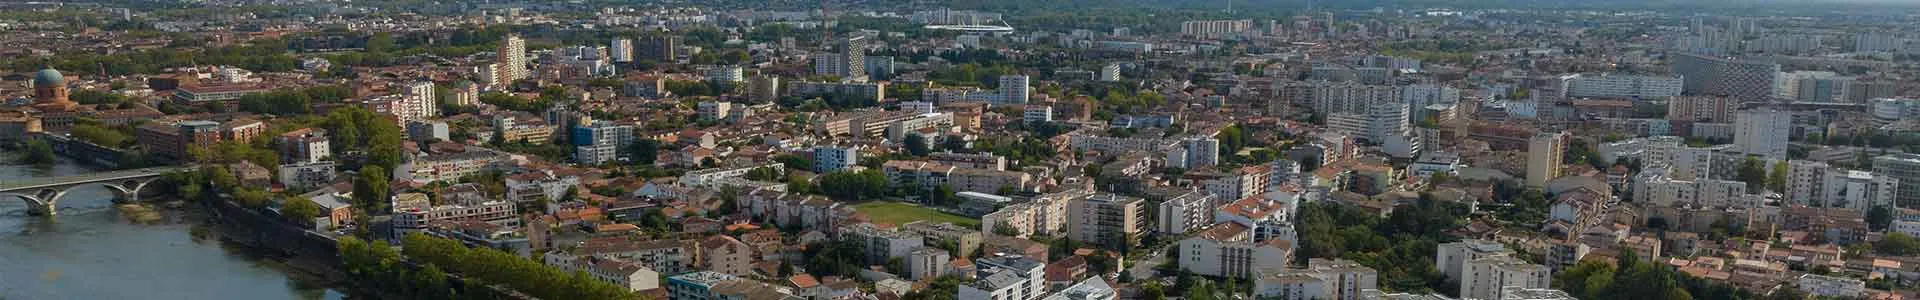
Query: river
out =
(92, 251)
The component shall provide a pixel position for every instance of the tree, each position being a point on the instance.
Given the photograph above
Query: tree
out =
(1005, 229)
(1754, 173)
(370, 189)
(1879, 217)
(300, 210)
(644, 151)
(916, 145)
(38, 153)
(1153, 291)
(1777, 179)
(1898, 244)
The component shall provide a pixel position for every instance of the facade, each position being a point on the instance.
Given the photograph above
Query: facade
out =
(1622, 86)
(1106, 219)
(1452, 258)
(859, 90)
(964, 240)
(1857, 190)
(1806, 182)
(1215, 28)
(926, 263)
(1377, 123)
(1741, 79)
(511, 59)
(727, 255)
(1905, 169)
(1192, 210)
(1490, 278)
(1701, 108)
(882, 244)
(828, 159)
(300, 176)
(410, 219)
(1829, 286)
(306, 145)
(1227, 249)
(417, 102)
(1006, 278)
(627, 275)
(1322, 279)
(176, 140)
(1763, 132)
(1544, 154)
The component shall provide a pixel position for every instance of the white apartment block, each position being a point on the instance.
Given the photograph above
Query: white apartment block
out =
(1377, 123)
(1215, 28)
(1763, 132)
(1806, 180)
(1190, 211)
(418, 103)
(1006, 278)
(1227, 250)
(1621, 86)
(1322, 279)
(1906, 169)
(1490, 278)
(1857, 190)
(1829, 286)
(828, 159)
(1451, 258)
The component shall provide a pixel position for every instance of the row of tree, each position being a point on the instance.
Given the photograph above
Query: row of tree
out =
(523, 275)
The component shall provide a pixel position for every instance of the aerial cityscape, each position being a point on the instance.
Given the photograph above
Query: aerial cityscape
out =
(960, 150)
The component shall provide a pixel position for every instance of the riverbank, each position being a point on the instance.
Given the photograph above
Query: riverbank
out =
(98, 249)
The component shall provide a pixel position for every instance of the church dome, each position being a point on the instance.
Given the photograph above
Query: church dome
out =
(49, 77)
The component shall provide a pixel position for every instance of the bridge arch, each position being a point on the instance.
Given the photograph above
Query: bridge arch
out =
(43, 195)
(35, 206)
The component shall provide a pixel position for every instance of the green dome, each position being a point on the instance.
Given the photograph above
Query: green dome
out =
(49, 77)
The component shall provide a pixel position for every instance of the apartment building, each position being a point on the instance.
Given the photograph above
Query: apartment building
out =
(1107, 219)
(1227, 249)
(1490, 278)
(1328, 279)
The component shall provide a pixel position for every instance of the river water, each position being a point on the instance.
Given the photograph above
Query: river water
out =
(92, 251)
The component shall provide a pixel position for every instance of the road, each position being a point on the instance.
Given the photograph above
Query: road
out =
(1142, 269)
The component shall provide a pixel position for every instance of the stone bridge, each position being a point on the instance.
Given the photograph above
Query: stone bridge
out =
(42, 193)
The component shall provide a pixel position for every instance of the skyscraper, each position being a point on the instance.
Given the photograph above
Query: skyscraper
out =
(1762, 132)
(419, 102)
(1544, 157)
(1014, 89)
(511, 58)
(1742, 79)
(659, 48)
(622, 50)
(853, 53)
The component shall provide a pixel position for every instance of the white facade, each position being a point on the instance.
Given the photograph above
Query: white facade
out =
(418, 103)
(1489, 278)
(1622, 86)
(1379, 122)
(828, 159)
(1763, 132)
(622, 50)
(1857, 190)
(1829, 286)
(1226, 250)
(1014, 89)
(1451, 258)
(1806, 180)
(1190, 211)
(1322, 279)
